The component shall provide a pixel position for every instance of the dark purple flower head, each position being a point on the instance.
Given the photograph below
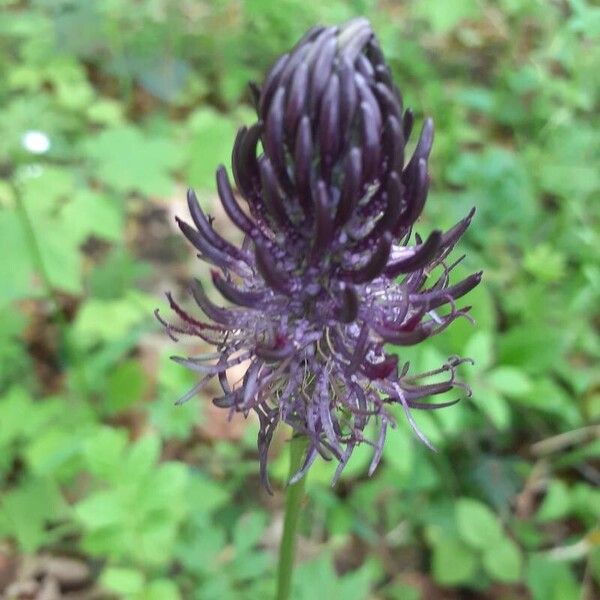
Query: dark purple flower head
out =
(327, 274)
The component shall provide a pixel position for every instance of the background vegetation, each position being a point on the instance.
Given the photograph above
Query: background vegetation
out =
(107, 111)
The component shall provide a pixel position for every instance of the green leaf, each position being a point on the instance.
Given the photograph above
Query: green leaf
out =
(556, 503)
(45, 194)
(534, 346)
(205, 495)
(109, 320)
(499, 478)
(105, 111)
(161, 589)
(545, 263)
(55, 451)
(170, 484)
(94, 214)
(201, 553)
(248, 531)
(141, 458)
(26, 511)
(17, 414)
(15, 362)
(510, 381)
(445, 15)
(122, 581)
(480, 348)
(103, 452)
(128, 160)
(251, 565)
(125, 386)
(502, 560)
(493, 405)
(476, 523)
(398, 451)
(551, 579)
(101, 509)
(548, 397)
(318, 579)
(120, 272)
(175, 421)
(16, 270)
(483, 312)
(402, 591)
(211, 146)
(453, 562)
(585, 502)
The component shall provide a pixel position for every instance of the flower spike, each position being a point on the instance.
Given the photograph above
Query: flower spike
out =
(329, 272)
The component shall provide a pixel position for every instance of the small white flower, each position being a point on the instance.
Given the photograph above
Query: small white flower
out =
(36, 142)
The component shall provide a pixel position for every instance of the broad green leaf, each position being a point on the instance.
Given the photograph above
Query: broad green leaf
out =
(585, 502)
(27, 510)
(477, 525)
(161, 589)
(429, 427)
(105, 111)
(15, 361)
(502, 560)
(510, 381)
(170, 420)
(444, 15)
(201, 553)
(533, 347)
(318, 579)
(94, 214)
(101, 509)
(16, 267)
(109, 320)
(398, 450)
(17, 415)
(103, 452)
(117, 274)
(556, 503)
(213, 134)
(453, 562)
(499, 478)
(480, 348)
(483, 312)
(176, 422)
(128, 160)
(141, 458)
(153, 544)
(251, 565)
(402, 591)
(545, 263)
(248, 530)
(55, 451)
(69, 80)
(125, 386)
(122, 581)
(205, 495)
(548, 397)
(45, 196)
(170, 482)
(551, 580)
(493, 405)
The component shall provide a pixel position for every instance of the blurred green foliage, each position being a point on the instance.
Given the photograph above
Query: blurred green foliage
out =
(130, 101)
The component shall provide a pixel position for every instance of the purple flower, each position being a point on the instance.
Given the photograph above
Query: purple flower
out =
(327, 274)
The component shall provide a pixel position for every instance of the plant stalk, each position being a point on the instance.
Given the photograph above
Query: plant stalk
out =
(37, 259)
(293, 505)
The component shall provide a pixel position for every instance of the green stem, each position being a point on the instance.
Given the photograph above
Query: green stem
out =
(36, 256)
(37, 259)
(293, 504)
